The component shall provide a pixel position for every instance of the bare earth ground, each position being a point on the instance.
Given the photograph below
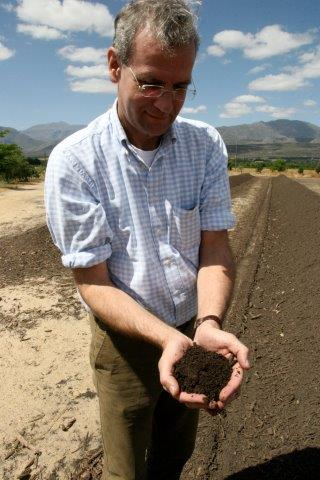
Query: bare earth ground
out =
(47, 400)
(21, 208)
(272, 430)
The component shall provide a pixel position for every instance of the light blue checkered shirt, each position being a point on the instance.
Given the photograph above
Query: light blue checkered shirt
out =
(104, 204)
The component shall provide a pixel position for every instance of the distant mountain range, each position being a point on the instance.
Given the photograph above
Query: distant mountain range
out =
(276, 131)
(39, 140)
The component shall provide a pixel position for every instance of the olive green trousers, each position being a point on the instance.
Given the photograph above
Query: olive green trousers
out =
(147, 435)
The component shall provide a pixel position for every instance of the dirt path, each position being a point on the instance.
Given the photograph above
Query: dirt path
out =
(21, 208)
(311, 183)
(272, 430)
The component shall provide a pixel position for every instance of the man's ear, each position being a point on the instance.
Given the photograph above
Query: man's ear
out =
(113, 65)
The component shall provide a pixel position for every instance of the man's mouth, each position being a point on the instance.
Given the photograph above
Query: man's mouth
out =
(157, 117)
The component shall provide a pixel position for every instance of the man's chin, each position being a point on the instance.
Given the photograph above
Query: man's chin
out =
(158, 127)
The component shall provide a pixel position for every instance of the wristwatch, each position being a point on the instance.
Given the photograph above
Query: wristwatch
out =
(199, 321)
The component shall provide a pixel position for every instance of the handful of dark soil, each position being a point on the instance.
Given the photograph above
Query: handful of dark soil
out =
(201, 371)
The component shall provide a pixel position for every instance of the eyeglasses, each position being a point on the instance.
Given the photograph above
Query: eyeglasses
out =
(156, 91)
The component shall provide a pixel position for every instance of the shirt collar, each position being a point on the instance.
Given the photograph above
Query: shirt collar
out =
(169, 137)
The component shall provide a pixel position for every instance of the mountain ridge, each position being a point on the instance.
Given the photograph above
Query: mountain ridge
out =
(39, 140)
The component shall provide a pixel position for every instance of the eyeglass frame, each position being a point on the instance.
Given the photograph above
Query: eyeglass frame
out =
(162, 89)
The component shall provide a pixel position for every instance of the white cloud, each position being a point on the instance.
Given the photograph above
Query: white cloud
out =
(249, 99)
(67, 15)
(280, 82)
(195, 110)
(311, 67)
(307, 57)
(235, 109)
(216, 51)
(228, 39)
(258, 69)
(269, 41)
(292, 77)
(9, 7)
(276, 112)
(83, 55)
(239, 107)
(5, 52)
(309, 103)
(40, 32)
(93, 85)
(94, 71)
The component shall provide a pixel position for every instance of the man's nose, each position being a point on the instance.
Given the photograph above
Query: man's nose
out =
(165, 103)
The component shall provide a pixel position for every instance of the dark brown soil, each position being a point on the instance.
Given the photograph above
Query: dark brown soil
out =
(200, 371)
(29, 254)
(272, 430)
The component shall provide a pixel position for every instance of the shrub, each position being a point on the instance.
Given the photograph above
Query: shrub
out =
(33, 161)
(278, 165)
(301, 170)
(259, 167)
(13, 165)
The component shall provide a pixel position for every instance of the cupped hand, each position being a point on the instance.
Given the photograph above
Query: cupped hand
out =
(173, 350)
(213, 339)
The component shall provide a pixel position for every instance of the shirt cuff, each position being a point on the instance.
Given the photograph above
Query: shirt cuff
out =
(87, 259)
(220, 220)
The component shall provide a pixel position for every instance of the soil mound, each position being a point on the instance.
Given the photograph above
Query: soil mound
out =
(29, 254)
(236, 180)
(201, 371)
(270, 431)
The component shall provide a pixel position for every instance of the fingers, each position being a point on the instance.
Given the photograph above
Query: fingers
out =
(233, 347)
(193, 400)
(224, 343)
(172, 352)
(167, 380)
(241, 352)
(233, 386)
(170, 385)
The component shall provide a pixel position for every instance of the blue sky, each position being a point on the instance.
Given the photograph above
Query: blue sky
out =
(259, 60)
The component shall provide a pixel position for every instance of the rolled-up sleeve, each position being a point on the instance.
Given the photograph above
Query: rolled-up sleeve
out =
(215, 200)
(75, 217)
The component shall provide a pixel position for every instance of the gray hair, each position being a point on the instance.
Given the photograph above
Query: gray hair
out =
(172, 22)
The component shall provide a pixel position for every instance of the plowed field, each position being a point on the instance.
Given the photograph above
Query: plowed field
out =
(270, 432)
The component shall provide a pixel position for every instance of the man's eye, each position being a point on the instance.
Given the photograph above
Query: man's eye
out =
(151, 89)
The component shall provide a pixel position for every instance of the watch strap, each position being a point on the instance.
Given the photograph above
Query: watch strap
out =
(199, 321)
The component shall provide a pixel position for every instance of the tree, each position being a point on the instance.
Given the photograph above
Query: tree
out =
(259, 166)
(13, 164)
(278, 165)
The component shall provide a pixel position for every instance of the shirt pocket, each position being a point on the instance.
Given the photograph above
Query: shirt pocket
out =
(185, 230)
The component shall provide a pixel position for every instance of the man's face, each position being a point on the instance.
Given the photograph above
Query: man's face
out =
(145, 120)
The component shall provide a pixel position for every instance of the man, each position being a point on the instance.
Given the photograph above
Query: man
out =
(139, 204)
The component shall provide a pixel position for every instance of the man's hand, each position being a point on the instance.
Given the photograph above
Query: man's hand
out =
(213, 339)
(174, 349)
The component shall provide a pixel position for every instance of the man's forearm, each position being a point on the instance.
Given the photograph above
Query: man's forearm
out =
(215, 282)
(122, 313)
